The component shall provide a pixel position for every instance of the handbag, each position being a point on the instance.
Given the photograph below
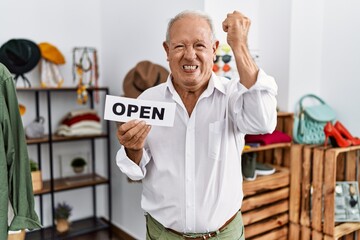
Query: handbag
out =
(310, 121)
(36, 128)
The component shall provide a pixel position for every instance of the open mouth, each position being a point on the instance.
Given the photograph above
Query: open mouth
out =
(190, 67)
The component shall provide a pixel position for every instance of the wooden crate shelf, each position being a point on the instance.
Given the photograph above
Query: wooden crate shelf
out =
(265, 207)
(278, 234)
(266, 204)
(267, 226)
(281, 178)
(314, 172)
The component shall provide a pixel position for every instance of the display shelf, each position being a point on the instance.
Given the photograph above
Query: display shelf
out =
(268, 147)
(268, 226)
(92, 179)
(344, 229)
(265, 207)
(57, 138)
(314, 173)
(61, 184)
(281, 178)
(265, 199)
(77, 228)
(55, 89)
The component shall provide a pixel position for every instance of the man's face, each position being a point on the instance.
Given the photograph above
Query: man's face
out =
(190, 52)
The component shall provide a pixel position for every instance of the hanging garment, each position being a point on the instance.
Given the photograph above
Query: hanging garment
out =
(15, 175)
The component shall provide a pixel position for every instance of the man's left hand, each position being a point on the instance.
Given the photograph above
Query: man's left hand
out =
(237, 26)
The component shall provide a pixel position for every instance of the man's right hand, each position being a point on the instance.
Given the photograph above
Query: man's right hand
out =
(132, 136)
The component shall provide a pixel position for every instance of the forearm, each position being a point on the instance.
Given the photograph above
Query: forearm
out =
(246, 66)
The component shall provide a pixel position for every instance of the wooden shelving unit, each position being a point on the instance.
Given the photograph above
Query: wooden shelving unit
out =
(68, 183)
(265, 207)
(77, 228)
(312, 212)
(268, 147)
(54, 185)
(56, 138)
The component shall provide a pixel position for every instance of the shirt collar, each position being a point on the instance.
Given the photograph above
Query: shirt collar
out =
(214, 83)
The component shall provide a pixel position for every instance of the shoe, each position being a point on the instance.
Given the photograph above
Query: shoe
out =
(264, 169)
(251, 168)
(248, 166)
(346, 134)
(335, 137)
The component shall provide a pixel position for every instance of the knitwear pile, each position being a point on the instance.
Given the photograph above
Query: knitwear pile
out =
(80, 123)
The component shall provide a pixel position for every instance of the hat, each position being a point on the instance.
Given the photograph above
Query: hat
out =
(19, 55)
(143, 76)
(51, 53)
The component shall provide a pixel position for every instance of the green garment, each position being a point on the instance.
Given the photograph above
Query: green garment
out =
(15, 175)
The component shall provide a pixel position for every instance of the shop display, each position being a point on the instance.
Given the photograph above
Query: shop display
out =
(80, 123)
(51, 58)
(252, 168)
(309, 121)
(85, 71)
(144, 75)
(224, 62)
(36, 176)
(61, 176)
(74, 164)
(347, 207)
(35, 129)
(62, 214)
(20, 56)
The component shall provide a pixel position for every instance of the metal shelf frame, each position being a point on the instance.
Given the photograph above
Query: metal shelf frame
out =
(83, 225)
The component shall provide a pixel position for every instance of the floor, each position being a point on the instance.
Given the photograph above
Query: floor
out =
(103, 235)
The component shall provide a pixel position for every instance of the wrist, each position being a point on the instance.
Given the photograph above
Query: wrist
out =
(134, 154)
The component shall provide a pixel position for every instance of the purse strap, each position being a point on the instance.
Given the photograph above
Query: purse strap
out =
(309, 96)
(301, 110)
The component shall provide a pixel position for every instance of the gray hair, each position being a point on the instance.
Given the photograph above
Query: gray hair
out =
(186, 13)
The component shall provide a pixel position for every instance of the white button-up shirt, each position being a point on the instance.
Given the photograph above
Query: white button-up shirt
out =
(191, 172)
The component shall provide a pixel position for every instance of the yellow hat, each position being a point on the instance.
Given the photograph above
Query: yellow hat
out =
(22, 109)
(51, 53)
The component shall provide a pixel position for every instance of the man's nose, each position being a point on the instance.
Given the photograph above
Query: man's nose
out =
(190, 53)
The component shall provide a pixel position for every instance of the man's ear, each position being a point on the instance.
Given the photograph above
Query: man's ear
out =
(215, 46)
(166, 47)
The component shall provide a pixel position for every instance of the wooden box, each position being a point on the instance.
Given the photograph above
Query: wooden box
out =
(314, 172)
(36, 180)
(17, 236)
(265, 206)
(277, 154)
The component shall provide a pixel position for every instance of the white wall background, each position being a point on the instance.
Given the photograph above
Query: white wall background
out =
(309, 46)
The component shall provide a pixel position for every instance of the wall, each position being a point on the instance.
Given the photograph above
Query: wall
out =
(324, 56)
(274, 41)
(340, 83)
(305, 49)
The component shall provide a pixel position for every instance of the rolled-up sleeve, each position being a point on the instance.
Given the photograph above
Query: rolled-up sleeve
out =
(254, 109)
(129, 168)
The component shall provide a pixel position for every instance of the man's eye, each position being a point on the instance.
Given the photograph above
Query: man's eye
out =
(179, 46)
(200, 46)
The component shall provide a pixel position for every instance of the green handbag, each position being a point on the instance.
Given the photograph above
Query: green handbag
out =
(310, 121)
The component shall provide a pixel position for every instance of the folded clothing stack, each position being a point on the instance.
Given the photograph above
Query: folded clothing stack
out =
(269, 138)
(79, 123)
